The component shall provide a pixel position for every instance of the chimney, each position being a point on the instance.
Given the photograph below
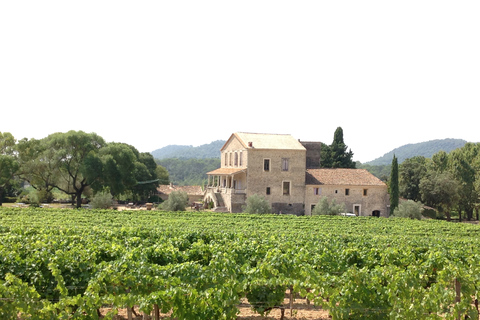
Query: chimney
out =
(250, 144)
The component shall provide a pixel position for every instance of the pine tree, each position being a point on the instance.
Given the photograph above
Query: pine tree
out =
(394, 190)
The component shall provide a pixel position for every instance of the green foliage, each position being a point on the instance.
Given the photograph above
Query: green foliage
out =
(189, 171)
(440, 190)
(102, 200)
(382, 172)
(257, 204)
(8, 163)
(324, 207)
(59, 265)
(336, 154)
(409, 209)
(264, 297)
(394, 186)
(177, 201)
(411, 172)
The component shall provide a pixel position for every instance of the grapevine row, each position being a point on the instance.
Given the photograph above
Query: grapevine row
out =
(67, 264)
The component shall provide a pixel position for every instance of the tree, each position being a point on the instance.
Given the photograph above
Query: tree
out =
(146, 175)
(409, 209)
(36, 167)
(411, 171)
(257, 204)
(393, 187)
(440, 190)
(8, 162)
(177, 201)
(336, 154)
(69, 154)
(323, 207)
(461, 164)
(112, 167)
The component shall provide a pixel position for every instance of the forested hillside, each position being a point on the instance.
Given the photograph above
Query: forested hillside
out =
(426, 149)
(210, 150)
(186, 172)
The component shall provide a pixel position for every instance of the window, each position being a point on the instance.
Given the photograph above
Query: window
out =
(284, 164)
(241, 158)
(365, 192)
(266, 164)
(316, 191)
(347, 192)
(236, 159)
(268, 191)
(226, 159)
(286, 188)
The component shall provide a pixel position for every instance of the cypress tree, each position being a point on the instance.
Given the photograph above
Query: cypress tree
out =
(336, 154)
(394, 190)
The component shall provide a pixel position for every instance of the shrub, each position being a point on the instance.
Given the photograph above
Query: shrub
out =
(177, 201)
(409, 209)
(323, 207)
(102, 200)
(257, 204)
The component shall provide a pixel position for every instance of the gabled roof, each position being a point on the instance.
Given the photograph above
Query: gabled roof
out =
(266, 141)
(352, 177)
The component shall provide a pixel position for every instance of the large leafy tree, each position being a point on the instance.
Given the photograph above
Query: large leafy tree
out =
(112, 167)
(8, 162)
(36, 167)
(146, 175)
(336, 154)
(411, 172)
(463, 165)
(69, 154)
(440, 190)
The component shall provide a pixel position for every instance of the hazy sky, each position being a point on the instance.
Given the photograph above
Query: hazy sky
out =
(154, 73)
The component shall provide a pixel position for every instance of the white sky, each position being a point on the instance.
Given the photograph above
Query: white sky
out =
(154, 73)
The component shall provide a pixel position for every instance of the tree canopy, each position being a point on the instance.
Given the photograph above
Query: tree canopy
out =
(78, 163)
(336, 154)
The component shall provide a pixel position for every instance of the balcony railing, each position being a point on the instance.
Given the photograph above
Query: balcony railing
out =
(228, 190)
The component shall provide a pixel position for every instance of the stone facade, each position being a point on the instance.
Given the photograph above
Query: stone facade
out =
(275, 166)
(362, 193)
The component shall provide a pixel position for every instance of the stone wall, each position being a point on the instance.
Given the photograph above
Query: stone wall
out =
(366, 198)
(258, 180)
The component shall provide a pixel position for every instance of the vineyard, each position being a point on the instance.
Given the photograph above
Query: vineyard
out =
(69, 264)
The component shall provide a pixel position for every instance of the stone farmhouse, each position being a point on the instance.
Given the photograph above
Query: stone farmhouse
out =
(287, 172)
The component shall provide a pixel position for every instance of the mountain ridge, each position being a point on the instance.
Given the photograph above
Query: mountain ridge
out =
(204, 151)
(426, 149)
(212, 150)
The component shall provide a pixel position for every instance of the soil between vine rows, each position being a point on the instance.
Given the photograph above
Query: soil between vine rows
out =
(301, 311)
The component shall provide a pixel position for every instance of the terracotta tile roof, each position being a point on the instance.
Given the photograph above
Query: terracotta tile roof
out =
(353, 177)
(190, 190)
(269, 141)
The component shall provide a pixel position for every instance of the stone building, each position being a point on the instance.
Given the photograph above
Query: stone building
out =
(362, 193)
(282, 169)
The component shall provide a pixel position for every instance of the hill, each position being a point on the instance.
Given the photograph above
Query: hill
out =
(426, 149)
(205, 151)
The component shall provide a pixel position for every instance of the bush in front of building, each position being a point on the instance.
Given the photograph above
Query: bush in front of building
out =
(257, 204)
